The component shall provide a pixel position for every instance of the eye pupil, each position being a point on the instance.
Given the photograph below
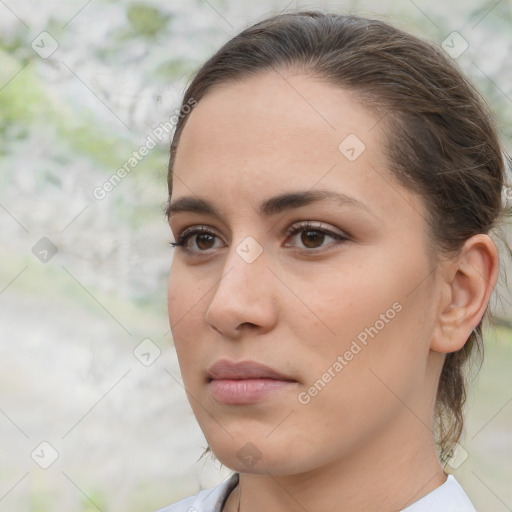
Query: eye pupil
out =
(312, 238)
(205, 241)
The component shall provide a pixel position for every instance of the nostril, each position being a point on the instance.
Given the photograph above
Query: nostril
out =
(248, 325)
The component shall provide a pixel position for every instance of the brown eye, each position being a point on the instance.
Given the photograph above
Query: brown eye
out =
(312, 238)
(197, 240)
(205, 241)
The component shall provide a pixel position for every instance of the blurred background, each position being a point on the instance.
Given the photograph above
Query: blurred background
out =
(93, 415)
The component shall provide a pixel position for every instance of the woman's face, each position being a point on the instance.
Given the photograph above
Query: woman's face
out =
(310, 260)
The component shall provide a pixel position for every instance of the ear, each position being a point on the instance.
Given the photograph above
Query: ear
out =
(468, 282)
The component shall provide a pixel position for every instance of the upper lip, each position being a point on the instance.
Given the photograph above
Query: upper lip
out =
(225, 369)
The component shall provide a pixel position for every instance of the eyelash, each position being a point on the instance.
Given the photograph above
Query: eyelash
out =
(183, 237)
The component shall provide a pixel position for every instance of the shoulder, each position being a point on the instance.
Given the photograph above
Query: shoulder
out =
(209, 500)
(450, 497)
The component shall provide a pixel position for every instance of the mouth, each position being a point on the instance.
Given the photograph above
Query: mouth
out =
(225, 369)
(245, 382)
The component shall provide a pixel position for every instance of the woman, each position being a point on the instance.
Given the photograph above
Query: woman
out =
(332, 188)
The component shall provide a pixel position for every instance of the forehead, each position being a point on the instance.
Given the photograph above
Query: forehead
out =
(274, 110)
(250, 139)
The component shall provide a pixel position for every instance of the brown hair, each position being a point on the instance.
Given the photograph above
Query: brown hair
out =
(443, 144)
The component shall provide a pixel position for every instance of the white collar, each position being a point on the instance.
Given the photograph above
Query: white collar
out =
(449, 497)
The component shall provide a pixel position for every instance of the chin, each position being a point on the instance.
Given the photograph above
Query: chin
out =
(259, 456)
(263, 466)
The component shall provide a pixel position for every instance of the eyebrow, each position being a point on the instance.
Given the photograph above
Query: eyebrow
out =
(269, 207)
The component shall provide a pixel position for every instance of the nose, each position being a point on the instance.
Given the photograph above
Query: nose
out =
(244, 298)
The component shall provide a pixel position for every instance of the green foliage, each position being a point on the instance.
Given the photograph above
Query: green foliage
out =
(172, 69)
(146, 21)
(94, 502)
(21, 100)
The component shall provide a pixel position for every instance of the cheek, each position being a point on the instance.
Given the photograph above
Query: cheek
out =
(176, 303)
(355, 388)
(185, 318)
(335, 306)
(184, 298)
(176, 299)
(366, 292)
(369, 318)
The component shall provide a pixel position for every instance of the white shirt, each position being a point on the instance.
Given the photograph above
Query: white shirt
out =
(449, 497)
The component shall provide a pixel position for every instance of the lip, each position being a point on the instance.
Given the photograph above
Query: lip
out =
(225, 369)
(245, 382)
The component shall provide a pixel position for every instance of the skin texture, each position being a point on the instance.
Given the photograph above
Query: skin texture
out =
(365, 441)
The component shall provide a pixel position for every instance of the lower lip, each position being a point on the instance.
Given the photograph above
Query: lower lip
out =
(246, 391)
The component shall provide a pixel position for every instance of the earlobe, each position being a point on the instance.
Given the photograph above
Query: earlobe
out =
(468, 284)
